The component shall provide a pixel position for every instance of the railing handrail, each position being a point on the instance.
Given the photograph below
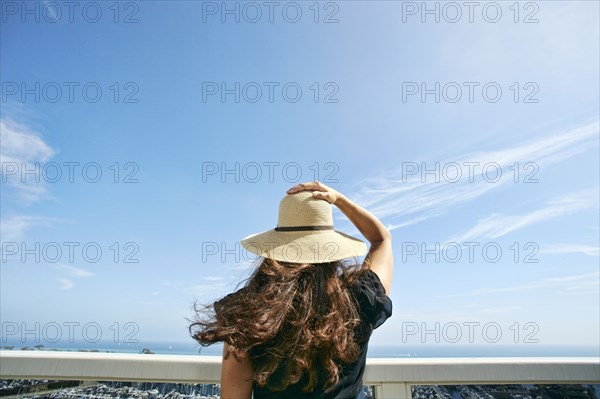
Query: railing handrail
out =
(104, 366)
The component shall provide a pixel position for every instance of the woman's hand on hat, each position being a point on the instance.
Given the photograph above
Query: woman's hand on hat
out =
(320, 191)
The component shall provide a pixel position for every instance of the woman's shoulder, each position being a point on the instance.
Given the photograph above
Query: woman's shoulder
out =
(375, 305)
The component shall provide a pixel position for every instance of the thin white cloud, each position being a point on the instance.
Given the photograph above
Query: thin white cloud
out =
(213, 288)
(583, 287)
(14, 228)
(21, 144)
(589, 250)
(497, 225)
(77, 271)
(65, 283)
(405, 199)
(565, 36)
(416, 220)
(20, 148)
(243, 265)
(465, 313)
(73, 271)
(207, 290)
(568, 283)
(499, 309)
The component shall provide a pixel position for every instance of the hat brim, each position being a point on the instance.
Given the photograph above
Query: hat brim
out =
(304, 246)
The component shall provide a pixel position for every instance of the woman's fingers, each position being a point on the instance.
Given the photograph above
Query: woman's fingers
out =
(315, 186)
(297, 187)
(320, 191)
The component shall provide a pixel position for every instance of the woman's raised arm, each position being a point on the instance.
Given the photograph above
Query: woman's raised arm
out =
(380, 258)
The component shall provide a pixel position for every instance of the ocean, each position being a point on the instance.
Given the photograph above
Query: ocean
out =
(397, 351)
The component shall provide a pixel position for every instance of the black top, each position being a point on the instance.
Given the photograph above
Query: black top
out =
(375, 308)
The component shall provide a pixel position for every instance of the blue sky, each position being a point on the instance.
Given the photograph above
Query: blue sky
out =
(158, 124)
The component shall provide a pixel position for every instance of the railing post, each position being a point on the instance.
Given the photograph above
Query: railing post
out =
(393, 390)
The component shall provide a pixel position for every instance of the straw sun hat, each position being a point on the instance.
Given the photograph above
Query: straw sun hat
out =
(304, 234)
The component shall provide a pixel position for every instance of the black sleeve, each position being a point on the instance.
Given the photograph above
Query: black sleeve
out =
(375, 305)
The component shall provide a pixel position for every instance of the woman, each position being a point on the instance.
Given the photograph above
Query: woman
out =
(300, 326)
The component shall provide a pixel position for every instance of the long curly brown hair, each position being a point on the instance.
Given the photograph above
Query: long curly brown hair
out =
(289, 317)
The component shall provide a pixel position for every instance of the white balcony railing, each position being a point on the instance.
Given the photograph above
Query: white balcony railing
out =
(392, 378)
